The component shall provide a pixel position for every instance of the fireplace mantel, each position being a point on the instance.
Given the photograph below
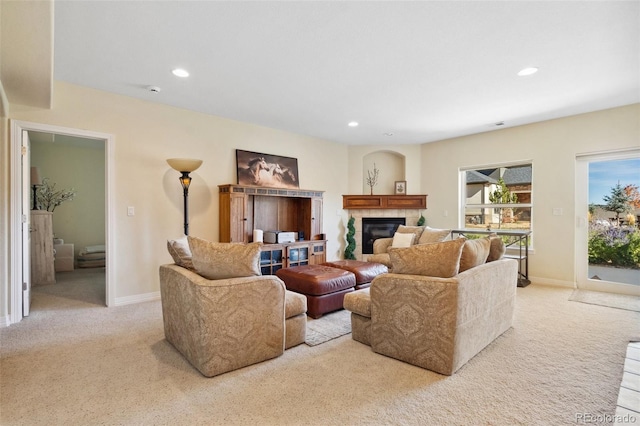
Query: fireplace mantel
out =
(384, 202)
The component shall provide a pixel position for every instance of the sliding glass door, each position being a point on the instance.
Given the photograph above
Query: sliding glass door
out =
(608, 212)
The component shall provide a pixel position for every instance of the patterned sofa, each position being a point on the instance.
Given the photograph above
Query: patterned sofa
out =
(430, 314)
(220, 314)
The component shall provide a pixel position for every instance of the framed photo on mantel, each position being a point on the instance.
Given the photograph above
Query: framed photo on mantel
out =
(275, 171)
(400, 187)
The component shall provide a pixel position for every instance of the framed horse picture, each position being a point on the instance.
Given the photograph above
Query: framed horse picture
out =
(258, 169)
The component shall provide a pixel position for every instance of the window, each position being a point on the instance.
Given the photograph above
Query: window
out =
(497, 197)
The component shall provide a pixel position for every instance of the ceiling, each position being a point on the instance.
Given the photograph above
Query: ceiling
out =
(407, 72)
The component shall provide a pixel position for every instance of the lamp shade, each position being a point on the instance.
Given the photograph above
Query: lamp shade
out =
(35, 176)
(184, 164)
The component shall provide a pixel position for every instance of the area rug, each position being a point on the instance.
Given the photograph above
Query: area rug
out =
(611, 300)
(328, 327)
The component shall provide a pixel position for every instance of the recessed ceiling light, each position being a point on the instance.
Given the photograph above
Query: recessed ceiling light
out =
(387, 134)
(179, 72)
(527, 71)
(499, 123)
(353, 124)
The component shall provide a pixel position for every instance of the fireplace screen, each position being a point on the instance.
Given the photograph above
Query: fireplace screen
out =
(378, 227)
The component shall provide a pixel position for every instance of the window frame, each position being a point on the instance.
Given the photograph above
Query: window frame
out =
(463, 192)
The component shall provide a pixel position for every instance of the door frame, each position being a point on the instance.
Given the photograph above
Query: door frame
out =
(15, 210)
(583, 282)
(26, 224)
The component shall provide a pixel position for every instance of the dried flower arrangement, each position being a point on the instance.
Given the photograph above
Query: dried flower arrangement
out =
(49, 198)
(372, 179)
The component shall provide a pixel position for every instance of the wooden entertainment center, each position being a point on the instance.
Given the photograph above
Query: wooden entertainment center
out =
(245, 208)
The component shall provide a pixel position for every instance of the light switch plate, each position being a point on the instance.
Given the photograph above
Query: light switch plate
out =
(131, 211)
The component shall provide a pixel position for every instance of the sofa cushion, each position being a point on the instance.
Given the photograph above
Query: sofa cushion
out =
(181, 253)
(402, 239)
(497, 249)
(474, 253)
(433, 235)
(433, 260)
(359, 302)
(217, 261)
(294, 304)
(416, 230)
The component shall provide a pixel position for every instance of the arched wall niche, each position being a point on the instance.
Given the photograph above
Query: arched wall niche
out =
(391, 167)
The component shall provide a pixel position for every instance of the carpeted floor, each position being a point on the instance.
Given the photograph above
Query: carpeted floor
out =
(93, 365)
(328, 327)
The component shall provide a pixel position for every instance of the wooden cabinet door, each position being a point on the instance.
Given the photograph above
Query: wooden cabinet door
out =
(318, 252)
(297, 255)
(271, 258)
(238, 219)
(316, 218)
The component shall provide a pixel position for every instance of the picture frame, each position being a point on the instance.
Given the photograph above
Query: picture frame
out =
(400, 187)
(268, 170)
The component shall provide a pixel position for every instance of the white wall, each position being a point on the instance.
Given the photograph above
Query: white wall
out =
(361, 159)
(390, 166)
(552, 146)
(81, 166)
(146, 134)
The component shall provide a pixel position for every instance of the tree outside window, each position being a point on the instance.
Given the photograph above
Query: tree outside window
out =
(498, 197)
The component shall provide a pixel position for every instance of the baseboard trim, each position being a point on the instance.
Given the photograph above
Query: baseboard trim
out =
(552, 282)
(138, 298)
(5, 321)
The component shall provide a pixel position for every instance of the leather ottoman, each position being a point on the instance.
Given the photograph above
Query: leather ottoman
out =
(365, 272)
(323, 286)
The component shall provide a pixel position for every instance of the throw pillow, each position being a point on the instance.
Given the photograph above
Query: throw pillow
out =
(416, 230)
(497, 249)
(180, 252)
(432, 260)
(402, 240)
(433, 235)
(217, 261)
(474, 253)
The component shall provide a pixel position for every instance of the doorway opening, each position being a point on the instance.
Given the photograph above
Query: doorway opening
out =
(22, 196)
(72, 188)
(608, 211)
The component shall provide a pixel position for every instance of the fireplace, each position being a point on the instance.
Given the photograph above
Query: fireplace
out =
(378, 227)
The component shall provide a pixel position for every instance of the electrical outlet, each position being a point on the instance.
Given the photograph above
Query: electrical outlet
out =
(445, 213)
(131, 211)
(557, 211)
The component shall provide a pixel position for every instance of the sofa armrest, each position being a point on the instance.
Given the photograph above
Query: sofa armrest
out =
(222, 325)
(413, 319)
(489, 284)
(381, 245)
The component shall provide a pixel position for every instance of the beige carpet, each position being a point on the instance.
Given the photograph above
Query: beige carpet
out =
(92, 365)
(328, 327)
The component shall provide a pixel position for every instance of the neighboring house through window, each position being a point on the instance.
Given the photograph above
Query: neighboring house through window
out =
(497, 197)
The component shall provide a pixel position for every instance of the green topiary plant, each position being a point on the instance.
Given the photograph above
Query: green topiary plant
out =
(421, 220)
(351, 242)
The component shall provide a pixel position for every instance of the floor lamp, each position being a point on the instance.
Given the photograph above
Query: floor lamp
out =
(185, 166)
